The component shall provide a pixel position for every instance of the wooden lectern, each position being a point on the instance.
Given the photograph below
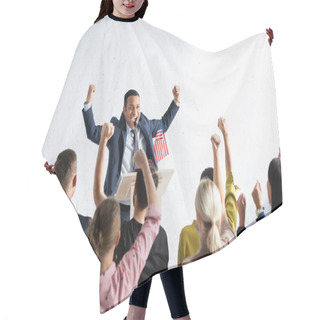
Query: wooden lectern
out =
(126, 187)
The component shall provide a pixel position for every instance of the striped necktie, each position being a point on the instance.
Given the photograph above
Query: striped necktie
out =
(135, 145)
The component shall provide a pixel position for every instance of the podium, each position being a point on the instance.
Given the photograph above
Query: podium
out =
(126, 187)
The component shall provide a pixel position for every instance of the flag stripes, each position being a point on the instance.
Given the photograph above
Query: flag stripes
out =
(160, 146)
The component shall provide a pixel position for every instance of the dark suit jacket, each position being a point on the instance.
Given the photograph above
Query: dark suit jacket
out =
(116, 144)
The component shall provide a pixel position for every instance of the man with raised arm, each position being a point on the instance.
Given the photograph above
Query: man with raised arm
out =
(132, 132)
(159, 255)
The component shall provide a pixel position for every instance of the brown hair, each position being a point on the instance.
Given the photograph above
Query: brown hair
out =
(65, 166)
(104, 227)
(207, 174)
(142, 201)
(106, 7)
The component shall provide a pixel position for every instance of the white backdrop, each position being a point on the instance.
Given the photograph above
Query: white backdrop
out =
(48, 270)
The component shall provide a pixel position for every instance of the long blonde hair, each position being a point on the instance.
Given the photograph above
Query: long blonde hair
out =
(208, 207)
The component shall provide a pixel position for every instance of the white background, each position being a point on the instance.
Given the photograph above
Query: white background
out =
(48, 269)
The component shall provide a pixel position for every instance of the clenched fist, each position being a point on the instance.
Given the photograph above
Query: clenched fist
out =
(222, 125)
(107, 131)
(176, 95)
(215, 140)
(140, 159)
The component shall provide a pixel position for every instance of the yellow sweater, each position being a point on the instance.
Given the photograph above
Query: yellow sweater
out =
(230, 202)
(189, 242)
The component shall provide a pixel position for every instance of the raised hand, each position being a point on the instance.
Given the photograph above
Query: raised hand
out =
(107, 131)
(222, 125)
(140, 159)
(270, 35)
(257, 195)
(176, 94)
(49, 168)
(242, 204)
(215, 140)
(91, 91)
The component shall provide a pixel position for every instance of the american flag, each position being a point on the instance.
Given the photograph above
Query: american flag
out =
(160, 146)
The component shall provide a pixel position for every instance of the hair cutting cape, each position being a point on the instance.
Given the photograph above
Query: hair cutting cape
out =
(236, 83)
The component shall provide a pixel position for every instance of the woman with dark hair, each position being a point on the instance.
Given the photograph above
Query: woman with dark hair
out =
(122, 9)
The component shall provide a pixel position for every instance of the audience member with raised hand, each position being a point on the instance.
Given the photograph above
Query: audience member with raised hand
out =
(117, 282)
(227, 209)
(212, 221)
(257, 199)
(98, 189)
(274, 188)
(230, 197)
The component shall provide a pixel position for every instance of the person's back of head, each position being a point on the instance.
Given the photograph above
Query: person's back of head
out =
(207, 174)
(275, 181)
(208, 208)
(65, 168)
(104, 227)
(141, 193)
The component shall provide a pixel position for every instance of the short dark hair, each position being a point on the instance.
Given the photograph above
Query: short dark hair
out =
(128, 94)
(142, 201)
(65, 166)
(207, 174)
(275, 180)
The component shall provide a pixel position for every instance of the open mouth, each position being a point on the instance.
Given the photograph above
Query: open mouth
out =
(134, 121)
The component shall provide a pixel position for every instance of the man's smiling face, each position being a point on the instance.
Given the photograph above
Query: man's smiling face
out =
(132, 111)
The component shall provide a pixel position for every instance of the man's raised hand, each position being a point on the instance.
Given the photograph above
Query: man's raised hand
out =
(176, 94)
(91, 91)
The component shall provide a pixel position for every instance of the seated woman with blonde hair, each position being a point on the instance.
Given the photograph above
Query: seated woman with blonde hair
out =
(216, 214)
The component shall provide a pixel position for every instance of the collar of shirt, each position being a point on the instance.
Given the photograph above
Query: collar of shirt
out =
(129, 130)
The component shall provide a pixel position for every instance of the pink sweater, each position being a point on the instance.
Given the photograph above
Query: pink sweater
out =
(117, 282)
